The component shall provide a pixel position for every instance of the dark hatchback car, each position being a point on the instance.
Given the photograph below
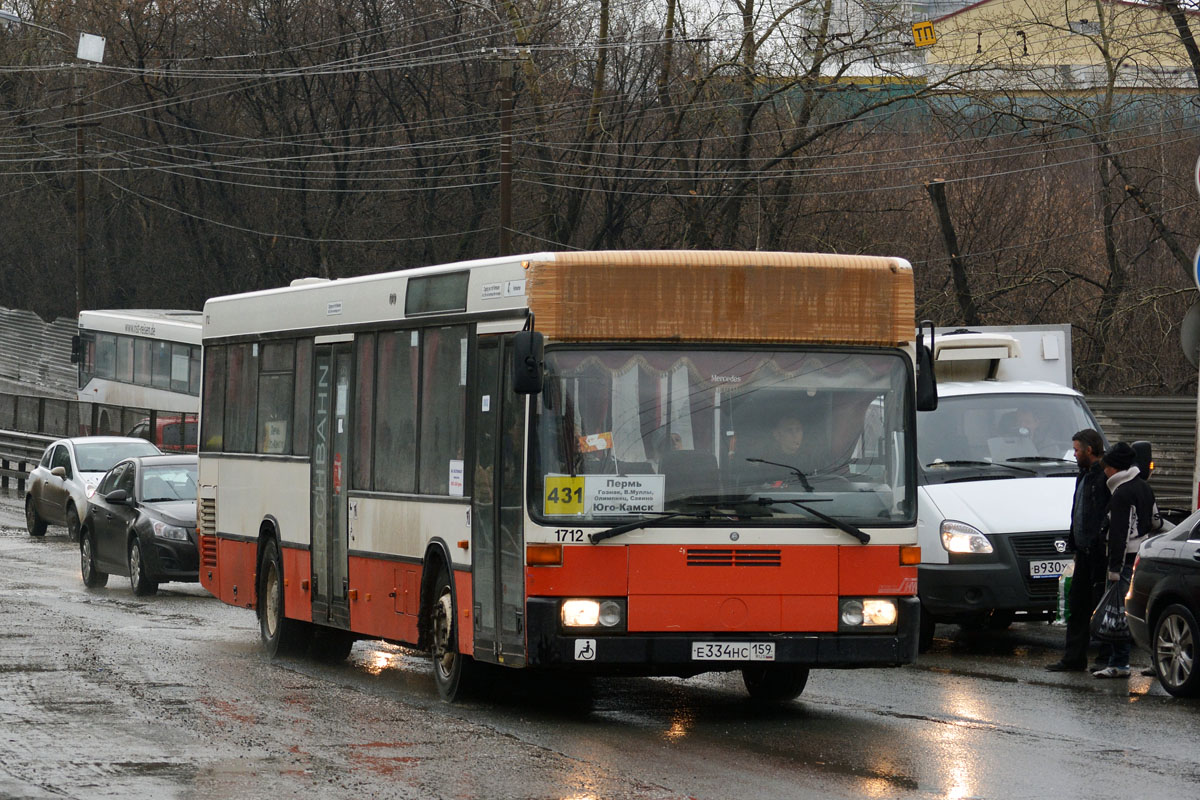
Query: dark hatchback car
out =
(1163, 605)
(141, 522)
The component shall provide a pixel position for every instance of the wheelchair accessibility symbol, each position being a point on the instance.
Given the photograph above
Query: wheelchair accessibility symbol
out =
(585, 649)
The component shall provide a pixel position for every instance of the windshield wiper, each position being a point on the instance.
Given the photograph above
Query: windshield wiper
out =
(653, 522)
(1042, 458)
(968, 463)
(794, 470)
(841, 525)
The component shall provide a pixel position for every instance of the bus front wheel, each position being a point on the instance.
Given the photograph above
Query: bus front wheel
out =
(453, 672)
(280, 636)
(774, 683)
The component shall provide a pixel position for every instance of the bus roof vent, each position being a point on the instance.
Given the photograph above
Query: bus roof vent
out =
(308, 281)
(970, 355)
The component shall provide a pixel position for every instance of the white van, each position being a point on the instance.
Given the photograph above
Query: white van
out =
(997, 476)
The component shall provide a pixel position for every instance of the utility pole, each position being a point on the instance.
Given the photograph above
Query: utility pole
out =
(506, 113)
(80, 217)
(90, 47)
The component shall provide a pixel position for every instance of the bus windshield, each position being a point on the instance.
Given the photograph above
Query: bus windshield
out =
(1006, 435)
(620, 434)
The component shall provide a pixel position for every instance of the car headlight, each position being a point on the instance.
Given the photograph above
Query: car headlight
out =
(585, 613)
(959, 537)
(90, 488)
(868, 612)
(164, 531)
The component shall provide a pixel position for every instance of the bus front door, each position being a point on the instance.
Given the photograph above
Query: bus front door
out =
(332, 376)
(497, 539)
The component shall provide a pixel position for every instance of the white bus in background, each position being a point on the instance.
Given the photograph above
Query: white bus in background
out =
(147, 359)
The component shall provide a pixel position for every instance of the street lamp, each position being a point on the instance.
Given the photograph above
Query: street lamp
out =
(90, 48)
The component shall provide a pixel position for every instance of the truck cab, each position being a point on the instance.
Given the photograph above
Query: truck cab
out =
(997, 471)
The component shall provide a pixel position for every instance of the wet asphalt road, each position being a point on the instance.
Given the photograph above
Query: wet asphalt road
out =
(104, 695)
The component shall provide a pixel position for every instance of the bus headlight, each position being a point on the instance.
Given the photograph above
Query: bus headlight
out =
(610, 614)
(959, 537)
(580, 613)
(586, 613)
(867, 612)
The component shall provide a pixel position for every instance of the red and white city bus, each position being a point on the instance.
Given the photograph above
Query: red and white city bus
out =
(571, 461)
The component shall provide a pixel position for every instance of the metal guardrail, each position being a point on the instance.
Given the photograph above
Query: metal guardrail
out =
(19, 453)
(1169, 424)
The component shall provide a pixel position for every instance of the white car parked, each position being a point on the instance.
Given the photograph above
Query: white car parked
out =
(61, 483)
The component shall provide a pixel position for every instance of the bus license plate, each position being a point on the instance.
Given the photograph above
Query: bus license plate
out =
(733, 651)
(1048, 567)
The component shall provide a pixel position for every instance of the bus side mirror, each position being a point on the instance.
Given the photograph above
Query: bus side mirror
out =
(927, 396)
(527, 367)
(76, 349)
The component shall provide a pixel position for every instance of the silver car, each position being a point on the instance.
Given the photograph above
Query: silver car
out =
(59, 487)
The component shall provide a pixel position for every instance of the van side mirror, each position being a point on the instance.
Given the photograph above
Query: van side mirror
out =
(1143, 457)
(527, 366)
(927, 396)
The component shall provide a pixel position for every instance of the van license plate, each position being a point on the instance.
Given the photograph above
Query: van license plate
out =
(733, 651)
(1048, 567)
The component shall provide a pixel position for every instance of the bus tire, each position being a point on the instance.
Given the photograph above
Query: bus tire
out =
(280, 636)
(33, 521)
(331, 645)
(774, 683)
(453, 672)
(92, 577)
(139, 581)
(925, 633)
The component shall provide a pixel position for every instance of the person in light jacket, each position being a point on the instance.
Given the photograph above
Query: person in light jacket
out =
(1131, 513)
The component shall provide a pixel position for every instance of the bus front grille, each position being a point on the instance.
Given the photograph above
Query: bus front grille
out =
(733, 557)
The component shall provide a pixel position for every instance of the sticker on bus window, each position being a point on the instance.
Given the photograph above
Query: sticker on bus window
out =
(595, 442)
(456, 477)
(564, 495)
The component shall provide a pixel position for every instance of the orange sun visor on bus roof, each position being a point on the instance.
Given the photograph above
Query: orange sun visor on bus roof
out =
(723, 296)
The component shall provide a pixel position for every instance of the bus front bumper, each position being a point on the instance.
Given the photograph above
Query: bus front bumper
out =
(671, 653)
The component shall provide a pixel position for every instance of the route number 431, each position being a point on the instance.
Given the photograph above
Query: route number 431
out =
(564, 495)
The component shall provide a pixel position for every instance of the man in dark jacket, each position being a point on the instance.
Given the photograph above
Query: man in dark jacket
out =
(1087, 584)
(1131, 513)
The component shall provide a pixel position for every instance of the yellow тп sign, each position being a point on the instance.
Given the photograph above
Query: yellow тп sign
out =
(923, 34)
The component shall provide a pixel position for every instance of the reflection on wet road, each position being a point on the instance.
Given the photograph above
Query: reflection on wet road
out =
(106, 695)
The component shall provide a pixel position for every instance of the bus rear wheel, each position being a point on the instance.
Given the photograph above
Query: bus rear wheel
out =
(774, 683)
(453, 672)
(280, 636)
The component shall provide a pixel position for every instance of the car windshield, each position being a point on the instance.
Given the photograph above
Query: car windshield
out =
(1015, 435)
(620, 434)
(169, 482)
(101, 456)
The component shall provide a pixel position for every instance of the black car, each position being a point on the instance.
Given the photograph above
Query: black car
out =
(141, 522)
(1164, 603)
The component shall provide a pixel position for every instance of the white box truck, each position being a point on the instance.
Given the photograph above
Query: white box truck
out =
(997, 476)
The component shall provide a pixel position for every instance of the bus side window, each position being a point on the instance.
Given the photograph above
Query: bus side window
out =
(443, 406)
(213, 422)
